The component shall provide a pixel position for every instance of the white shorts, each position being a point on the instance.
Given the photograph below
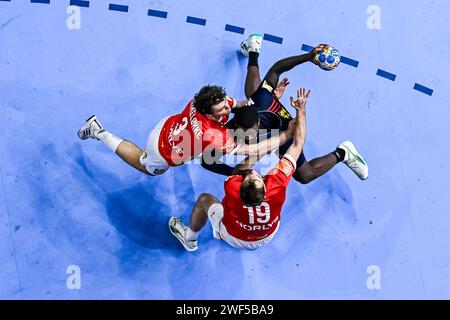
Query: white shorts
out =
(215, 215)
(151, 158)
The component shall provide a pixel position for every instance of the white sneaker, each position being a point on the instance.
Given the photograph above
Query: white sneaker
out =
(90, 128)
(178, 229)
(252, 44)
(354, 160)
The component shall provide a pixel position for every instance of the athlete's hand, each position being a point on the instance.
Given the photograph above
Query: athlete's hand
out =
(300, 103)
(281, 87)
(300, 106)
(316, 50)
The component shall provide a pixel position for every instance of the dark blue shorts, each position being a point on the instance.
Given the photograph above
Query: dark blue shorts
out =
(273, 115)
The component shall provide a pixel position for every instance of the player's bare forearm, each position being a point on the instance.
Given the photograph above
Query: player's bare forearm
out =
(266, 146)
(218, 167)
(286, 64)
(299, 138)
(299, 132)
(276, 141)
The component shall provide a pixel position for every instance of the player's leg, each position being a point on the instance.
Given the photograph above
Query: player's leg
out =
(251, 48)
(253, 78)
(346, 153)
(199, 214)
(188, 235)
(311, 170)
(126, 150)
(131, 154)
(308, 171)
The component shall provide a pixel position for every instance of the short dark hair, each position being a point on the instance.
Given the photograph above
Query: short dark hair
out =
(250, 194)
(246, 117)
(207, 97)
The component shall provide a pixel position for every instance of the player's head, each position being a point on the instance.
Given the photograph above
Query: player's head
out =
(253, 189)
(247, 119)
(211, 100)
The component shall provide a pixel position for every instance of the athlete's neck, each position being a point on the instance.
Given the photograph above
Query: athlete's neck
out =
(215, 118)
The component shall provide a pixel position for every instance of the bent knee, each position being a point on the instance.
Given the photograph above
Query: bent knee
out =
(305, 175)
(207, 198)
(301, 178)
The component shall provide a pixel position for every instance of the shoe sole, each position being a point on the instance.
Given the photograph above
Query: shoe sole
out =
(175, 233)
(350, 146)
(89, 119)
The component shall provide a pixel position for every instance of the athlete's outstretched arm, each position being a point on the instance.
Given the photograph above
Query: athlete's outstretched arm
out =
(218, 167)
(268, 145)
(287, 64)
(299, 133)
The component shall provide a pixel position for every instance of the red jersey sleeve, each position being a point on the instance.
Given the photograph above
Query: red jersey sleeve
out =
(283, 171)
(232, 102)
(232, 188)
(220, 139)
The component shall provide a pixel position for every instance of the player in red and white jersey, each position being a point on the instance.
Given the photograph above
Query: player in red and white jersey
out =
(249, 214)
(181, 137)
(257, 220)
(186, 135)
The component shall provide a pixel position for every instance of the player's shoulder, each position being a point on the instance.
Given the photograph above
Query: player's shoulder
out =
(232, 188)
(189, 106)
(234, 179)
(285, 166)
(233, 182)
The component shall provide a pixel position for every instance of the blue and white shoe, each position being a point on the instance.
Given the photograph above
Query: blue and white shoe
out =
(354, 160)
(252, 44)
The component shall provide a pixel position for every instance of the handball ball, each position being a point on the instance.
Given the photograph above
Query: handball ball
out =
(328, 58)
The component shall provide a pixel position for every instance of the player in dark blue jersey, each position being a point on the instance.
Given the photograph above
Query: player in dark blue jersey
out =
(265, 95)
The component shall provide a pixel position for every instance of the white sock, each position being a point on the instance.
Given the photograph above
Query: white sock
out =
(109, 139)
(191, 235)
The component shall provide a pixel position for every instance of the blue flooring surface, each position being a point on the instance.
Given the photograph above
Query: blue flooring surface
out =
(66, 202)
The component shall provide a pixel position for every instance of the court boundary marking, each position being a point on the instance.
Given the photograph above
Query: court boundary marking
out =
(239, 30)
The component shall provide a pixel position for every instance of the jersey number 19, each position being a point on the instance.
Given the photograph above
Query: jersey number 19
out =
(262, 213)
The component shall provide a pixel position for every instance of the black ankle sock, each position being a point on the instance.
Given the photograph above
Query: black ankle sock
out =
(340, 154)
(253, 59)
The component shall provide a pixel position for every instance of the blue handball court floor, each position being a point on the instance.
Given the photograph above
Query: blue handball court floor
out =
(72, 209)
